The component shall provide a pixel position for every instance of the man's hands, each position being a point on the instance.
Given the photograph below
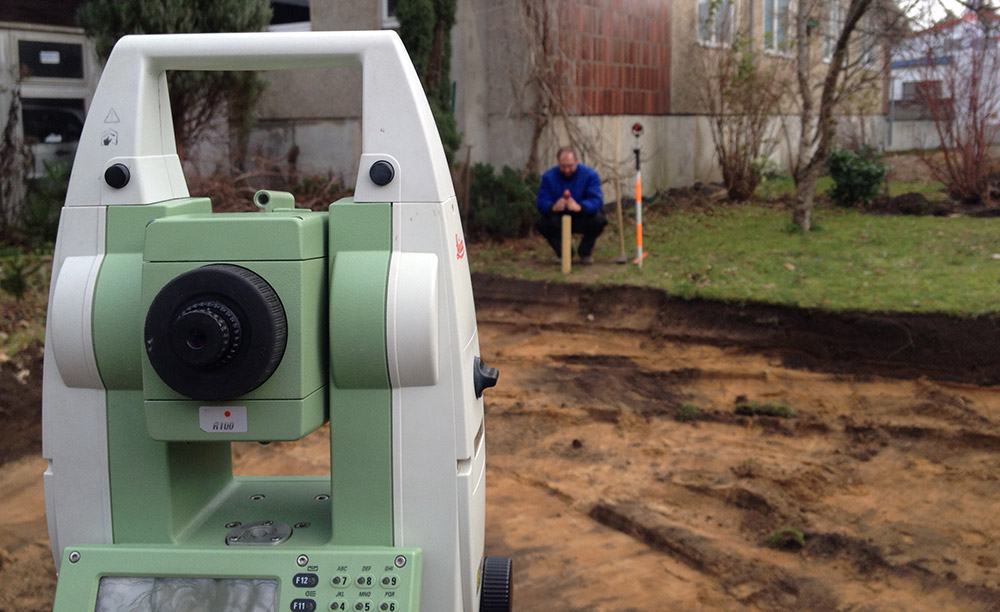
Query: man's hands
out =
(566, 202)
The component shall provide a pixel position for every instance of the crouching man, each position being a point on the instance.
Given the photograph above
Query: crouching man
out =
(574, 189)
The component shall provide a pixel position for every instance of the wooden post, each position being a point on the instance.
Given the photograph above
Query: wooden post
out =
(567, 243)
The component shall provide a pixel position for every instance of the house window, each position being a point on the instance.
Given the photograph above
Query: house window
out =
(922, 92)
(833, 23)
(776, 24)
(389, 19)
(716, 21)
(50, 59)
(290, 16)
(867, 40)
(52, 120)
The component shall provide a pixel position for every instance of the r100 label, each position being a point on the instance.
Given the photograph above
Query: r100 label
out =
(223, 419)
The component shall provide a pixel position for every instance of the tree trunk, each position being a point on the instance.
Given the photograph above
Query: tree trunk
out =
(803, 187)
(816, 142)
(536, 15)
(805, 190)
(435, 62)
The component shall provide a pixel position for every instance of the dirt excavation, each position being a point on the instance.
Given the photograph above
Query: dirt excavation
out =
(652, 454)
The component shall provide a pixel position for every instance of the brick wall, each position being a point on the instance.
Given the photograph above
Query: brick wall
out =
(46, 12)
(613, 56)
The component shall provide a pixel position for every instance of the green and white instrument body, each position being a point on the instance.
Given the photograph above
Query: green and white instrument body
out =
(174, 331)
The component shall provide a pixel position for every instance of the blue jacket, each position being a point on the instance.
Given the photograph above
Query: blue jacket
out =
(584, 186)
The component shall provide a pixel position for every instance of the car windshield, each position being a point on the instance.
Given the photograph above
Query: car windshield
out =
(52, 120)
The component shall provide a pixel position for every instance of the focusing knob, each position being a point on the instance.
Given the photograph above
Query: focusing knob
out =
(215, 332)
(498, 585)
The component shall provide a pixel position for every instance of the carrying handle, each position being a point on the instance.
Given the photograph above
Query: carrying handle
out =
(129, 121)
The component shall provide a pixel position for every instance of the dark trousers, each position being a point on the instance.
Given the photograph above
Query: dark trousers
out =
(590, 226)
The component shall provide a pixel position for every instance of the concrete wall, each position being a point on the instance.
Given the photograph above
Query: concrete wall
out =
(474, 39)
(688, 57)
(907, 135)
(675, 150)
(318, 110)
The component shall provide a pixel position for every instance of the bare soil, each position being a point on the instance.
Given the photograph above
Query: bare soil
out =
(620, 477)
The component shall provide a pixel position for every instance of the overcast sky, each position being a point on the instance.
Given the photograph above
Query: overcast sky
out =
(953, 5)
(930, 11)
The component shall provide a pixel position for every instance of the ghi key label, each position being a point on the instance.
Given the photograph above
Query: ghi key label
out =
(223, 419)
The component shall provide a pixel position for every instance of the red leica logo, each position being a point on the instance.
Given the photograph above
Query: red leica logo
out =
(459, 247)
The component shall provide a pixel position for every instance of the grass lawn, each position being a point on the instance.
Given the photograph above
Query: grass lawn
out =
(851, 261)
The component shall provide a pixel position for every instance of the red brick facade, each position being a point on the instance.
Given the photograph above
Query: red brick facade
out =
(614, 56)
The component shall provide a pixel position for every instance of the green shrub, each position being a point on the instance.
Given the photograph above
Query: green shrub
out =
(16, 273)
(687, 412)
(39, 215)
(500, 205)
(786, 538)
(857, 175)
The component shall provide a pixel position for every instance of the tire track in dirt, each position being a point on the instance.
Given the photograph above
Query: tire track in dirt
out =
(890, 482)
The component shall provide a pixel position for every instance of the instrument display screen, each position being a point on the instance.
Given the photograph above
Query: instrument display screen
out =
(150, 594)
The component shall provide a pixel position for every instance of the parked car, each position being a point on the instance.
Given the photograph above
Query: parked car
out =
(52, 128)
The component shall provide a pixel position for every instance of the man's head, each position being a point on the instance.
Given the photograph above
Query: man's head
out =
(567, 161)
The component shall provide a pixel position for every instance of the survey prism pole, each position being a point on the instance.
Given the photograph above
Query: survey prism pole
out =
(638, 210)
(637, 132)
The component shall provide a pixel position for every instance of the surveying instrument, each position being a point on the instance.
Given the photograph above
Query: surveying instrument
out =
(174, 331)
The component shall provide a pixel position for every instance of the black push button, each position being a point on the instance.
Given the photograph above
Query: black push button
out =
(117, 176)
(305, 581)
(381, 173)
(303, 605)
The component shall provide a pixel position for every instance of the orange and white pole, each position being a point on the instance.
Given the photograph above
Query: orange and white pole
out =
(638, 215)
(637, 131)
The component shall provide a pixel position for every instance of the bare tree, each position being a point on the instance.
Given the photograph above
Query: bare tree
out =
(540, 78)
(856, 38)
(960, 88)
(15, 165)
(740, 93)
